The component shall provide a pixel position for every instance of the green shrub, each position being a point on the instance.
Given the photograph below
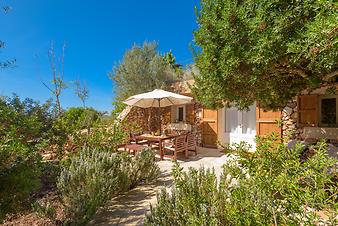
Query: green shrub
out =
(19, 175)
(190, 202)
(93, 177)
(270, 187)
(27, 121)
(24, 126)
(103, 136)
(77, 118)
(140, 168)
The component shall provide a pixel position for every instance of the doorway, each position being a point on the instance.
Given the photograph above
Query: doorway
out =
(241, 126)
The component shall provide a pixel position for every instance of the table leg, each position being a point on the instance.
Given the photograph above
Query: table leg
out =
(161, 149)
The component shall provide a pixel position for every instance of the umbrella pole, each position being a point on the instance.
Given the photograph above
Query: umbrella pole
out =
(159, 114)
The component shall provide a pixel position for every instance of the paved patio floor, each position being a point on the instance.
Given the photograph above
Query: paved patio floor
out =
(130, 208)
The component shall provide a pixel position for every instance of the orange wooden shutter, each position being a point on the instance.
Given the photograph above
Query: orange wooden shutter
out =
(209, 127)
(308, 110)
(266, 121)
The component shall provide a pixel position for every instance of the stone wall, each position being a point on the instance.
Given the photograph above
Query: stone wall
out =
(290, 128)
(289, 121)
(197, 128)
(147, 118)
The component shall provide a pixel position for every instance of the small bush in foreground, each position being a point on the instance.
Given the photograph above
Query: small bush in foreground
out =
(19, 175)
(270, 187)
(93, 177)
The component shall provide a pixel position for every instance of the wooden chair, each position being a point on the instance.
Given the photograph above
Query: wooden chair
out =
(180, 145)
(134, 141)
(191, 143)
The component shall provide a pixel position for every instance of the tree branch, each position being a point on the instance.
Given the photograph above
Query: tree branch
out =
(47, 86)
(330, 76)
(294, 71)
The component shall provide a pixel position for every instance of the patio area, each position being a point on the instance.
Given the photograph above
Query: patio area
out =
(130, 208)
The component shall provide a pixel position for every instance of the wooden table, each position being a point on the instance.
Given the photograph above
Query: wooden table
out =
(159, 139)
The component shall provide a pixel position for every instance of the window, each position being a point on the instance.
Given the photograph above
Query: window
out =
(328, 111)
(180, 117)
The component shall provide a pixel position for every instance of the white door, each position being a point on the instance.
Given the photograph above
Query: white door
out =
(241, 125)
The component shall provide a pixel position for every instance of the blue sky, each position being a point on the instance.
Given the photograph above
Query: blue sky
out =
(96, 32)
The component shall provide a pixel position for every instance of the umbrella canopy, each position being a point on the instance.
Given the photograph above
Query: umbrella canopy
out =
(157, 98)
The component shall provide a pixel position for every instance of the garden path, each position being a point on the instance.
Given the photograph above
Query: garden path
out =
(130, 208)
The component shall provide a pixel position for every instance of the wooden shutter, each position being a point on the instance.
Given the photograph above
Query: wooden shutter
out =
(209, 127)
(308, 110)
(266, 121)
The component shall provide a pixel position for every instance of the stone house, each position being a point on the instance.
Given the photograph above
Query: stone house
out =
(310, 116)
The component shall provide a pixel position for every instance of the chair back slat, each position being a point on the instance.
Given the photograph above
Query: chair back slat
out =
(180, 143)
(191, 141)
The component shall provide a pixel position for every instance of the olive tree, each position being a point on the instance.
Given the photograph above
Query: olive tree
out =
(266, 51)
(142, 69)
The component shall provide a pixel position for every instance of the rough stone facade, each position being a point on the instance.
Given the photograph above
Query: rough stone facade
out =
(289, 121)
(198, 123)
(147, 119)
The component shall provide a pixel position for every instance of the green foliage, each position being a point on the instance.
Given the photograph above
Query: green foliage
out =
(93, 177)
(77, 118)
(24, 126)
(19, 175)
(102, 136)
(141, 70)
(169, 58)
(142, 168)
(250, 49)
(272, 186)
(190, 200)
(27, 120)
(118, 108)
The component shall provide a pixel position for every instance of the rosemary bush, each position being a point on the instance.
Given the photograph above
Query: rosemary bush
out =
(93, 177)
(270, 187)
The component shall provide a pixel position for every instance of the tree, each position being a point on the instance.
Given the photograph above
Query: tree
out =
(266, 51)
(142, 69)
(170, 59)
(81, 91)
(58, 82)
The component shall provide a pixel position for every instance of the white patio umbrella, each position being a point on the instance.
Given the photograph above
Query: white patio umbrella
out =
(157, 98)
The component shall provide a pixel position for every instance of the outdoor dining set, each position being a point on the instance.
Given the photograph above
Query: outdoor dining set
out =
(172, 143)
(168, 145)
